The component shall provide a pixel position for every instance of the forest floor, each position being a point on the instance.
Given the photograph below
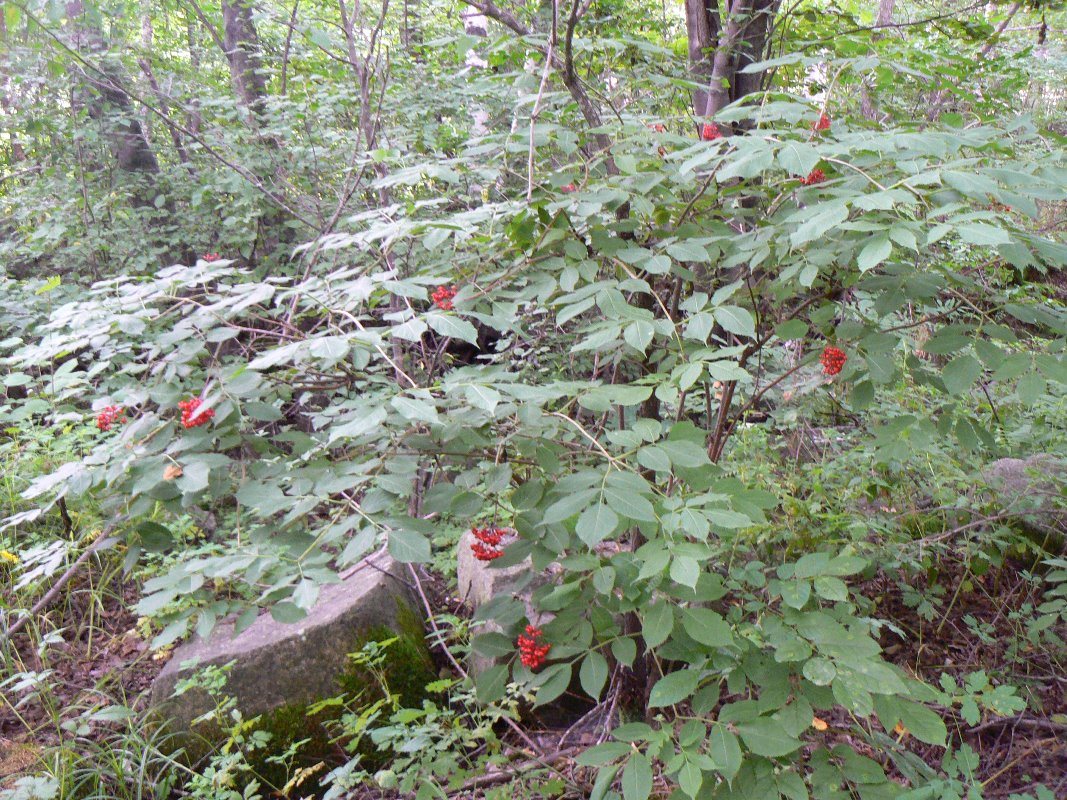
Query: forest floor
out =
(109, 660)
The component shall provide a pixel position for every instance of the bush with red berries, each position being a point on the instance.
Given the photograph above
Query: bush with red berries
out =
(832, 360)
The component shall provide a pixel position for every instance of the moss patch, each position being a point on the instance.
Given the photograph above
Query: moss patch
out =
(407, 668)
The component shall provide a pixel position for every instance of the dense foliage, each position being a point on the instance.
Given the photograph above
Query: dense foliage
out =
(284, 285)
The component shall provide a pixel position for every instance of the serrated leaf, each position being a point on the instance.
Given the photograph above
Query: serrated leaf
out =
(765, 737)
(736, 320)
(657, 622)
(820, 671)
(287, 612)
(409, 547)
(673, 688)
(490, 684)
(639, 335)
(822, 218)
(453, 327)
(630, 504)
(415, 410)
(798, 158)
(724, 750)
(690, 778)
(877, 250)
(559, 678)
(602, 754)
(833, 589)
(637, 778)
(411, 331)
(596, 523)
(593, 674)
(687, 251)
(924, 724)
(960, 374)
(482, 397)
(983, 235)
(707, 627)
(685, 570)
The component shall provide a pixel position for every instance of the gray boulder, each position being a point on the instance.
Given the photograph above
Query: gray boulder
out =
(481, 581)
(279, 669)
(1032, 491)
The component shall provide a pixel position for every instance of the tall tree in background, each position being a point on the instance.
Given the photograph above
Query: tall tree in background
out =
(240, 43)
(724, 38)
(100, 88)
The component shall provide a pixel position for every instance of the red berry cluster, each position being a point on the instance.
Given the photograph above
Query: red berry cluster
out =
(832, 359)
(190, 417)
(822, 123)
(442, 297)
(814, 177)
(710, 132)
(658, 127)
(570, 187)
(532, 651)
(487, 547)
(209, 257)
(108, 416)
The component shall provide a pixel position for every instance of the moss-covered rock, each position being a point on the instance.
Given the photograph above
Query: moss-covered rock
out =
(278, 671)
(1030, 492)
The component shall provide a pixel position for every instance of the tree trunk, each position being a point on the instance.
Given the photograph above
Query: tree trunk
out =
(241, 45)
(475, 24)
(7, 105)
(722, 42)
(101, 91)
(884, 19)
(193, 118)
(702, 30)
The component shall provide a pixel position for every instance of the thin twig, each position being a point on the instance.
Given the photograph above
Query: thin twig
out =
(102, 542)
(535, 113)
(540, 757)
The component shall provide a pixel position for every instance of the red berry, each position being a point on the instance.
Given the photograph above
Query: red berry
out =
(442, 297)
(570, 187)
(209, 257)
(832, 359)
(710, 132)
(191, 418)
(658, 127)
(814, 177)
(108, 416)
(822, 123)
(487, 548)
(532, 651)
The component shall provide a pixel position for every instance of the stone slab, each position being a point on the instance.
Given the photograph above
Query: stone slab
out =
(280, 665)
